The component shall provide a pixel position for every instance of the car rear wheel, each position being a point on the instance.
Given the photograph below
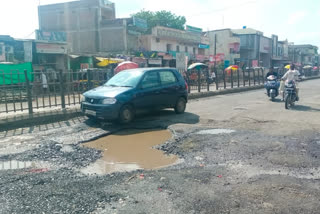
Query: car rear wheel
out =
(180, 106)
(126, 114)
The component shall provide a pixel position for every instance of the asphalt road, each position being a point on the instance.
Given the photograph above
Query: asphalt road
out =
(239, 153)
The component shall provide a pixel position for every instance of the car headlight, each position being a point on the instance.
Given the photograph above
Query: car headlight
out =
(82, 98)
(109, 101)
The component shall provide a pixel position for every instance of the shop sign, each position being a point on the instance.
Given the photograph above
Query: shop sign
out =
(204, 46)
(51, 48)
(51, 36)
(181, 61)
(155, 61)
(140, 23)
(193, 29)
(178, 35)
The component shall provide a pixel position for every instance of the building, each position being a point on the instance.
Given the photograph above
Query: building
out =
(255, 48)
(167, 42)
(6, 48)
(225, 45)
(304, 54)
(81, 21)
(280, 52)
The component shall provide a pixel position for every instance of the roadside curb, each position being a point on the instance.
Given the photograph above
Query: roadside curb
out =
(26, 120)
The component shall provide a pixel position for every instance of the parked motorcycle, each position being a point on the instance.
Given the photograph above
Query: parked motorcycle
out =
(272, 85)
(290, 94)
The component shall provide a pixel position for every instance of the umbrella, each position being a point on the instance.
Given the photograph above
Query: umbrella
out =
(107, 61)
(307, 67)
(233, 67)
(315, 68)
(195, 65)
(287, 66)
(126, 66)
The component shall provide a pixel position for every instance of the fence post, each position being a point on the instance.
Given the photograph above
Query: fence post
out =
(224, 79)
(259, 76)
(217, 79)
(249, 75)
(89, 79)
(199, 81)
(29, 94)
(231, 77)
(238, 74)
(262, 72)
(208, 82)
(244, 77)
(254, 76)
(63, 99)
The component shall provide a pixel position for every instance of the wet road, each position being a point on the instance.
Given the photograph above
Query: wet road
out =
(238, 153)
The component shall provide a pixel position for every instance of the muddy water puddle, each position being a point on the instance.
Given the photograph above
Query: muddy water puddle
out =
(130, 150)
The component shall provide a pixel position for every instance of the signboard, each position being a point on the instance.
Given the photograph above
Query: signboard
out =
(181, 61)
(140, 23)
(193, 29)
(155, 61)
(27, 46)
(254, 63)
(204, 46)
(178, 35)
(226, 64)
(51, 48)
(51, 36)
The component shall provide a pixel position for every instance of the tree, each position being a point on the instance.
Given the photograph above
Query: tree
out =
(162, 18)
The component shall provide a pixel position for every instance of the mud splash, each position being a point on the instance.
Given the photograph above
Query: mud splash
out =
(130, 150)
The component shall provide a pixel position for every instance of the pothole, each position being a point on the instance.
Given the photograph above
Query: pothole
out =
(130, 150)
(215, 131)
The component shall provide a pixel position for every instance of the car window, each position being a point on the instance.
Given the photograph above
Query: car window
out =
(125, 79)
(150, 80)
(167, 77)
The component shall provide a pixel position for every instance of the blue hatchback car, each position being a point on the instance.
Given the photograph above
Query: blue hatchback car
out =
(134, 90)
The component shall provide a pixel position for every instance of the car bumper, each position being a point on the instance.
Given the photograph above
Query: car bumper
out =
(108, 112)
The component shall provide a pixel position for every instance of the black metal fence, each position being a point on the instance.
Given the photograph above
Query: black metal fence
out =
(199, 81)
(22, 91)
(19, 92)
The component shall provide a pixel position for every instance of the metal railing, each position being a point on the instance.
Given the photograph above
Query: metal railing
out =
(25, 91)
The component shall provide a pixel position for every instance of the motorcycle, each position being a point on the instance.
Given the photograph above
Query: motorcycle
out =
(272, 85)
(290, 94)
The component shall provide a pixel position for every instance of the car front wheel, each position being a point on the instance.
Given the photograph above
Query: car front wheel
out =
(126, 114)
(180, 106)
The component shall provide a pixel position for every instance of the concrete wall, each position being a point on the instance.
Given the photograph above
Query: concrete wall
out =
(224, 38)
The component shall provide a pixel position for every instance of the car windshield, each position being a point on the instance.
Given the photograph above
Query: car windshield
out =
(125, 79)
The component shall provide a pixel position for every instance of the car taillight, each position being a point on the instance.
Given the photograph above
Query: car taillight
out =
(187, 87)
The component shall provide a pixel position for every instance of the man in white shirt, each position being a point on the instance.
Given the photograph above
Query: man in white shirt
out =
(292, 75)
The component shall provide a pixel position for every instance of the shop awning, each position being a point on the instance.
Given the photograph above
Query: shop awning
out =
(107, 61)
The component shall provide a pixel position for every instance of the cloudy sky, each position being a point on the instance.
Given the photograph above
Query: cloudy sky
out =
(295, 20)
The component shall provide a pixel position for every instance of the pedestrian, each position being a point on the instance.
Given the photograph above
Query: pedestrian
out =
(44, 82)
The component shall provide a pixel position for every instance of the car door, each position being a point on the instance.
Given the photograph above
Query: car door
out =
(169, 88)
(148, 92)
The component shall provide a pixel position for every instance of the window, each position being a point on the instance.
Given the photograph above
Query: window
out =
(167, 77)
(151, 80)
(186, 49)
(168, 47)
(194, 51)
(157, 40)
(178, 48)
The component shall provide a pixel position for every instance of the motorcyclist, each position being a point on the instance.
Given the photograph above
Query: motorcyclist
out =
(292, 75)
(270, 73)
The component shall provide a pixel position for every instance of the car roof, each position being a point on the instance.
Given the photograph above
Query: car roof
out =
(144, 70)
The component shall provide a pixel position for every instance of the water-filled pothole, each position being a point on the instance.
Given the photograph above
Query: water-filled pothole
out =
(130, 150)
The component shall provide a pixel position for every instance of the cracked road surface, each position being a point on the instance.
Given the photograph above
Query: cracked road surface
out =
(238, 153)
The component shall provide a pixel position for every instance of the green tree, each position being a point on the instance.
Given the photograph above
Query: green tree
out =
(161, 18)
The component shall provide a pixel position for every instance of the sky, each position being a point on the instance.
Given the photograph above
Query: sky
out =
(295, 20)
